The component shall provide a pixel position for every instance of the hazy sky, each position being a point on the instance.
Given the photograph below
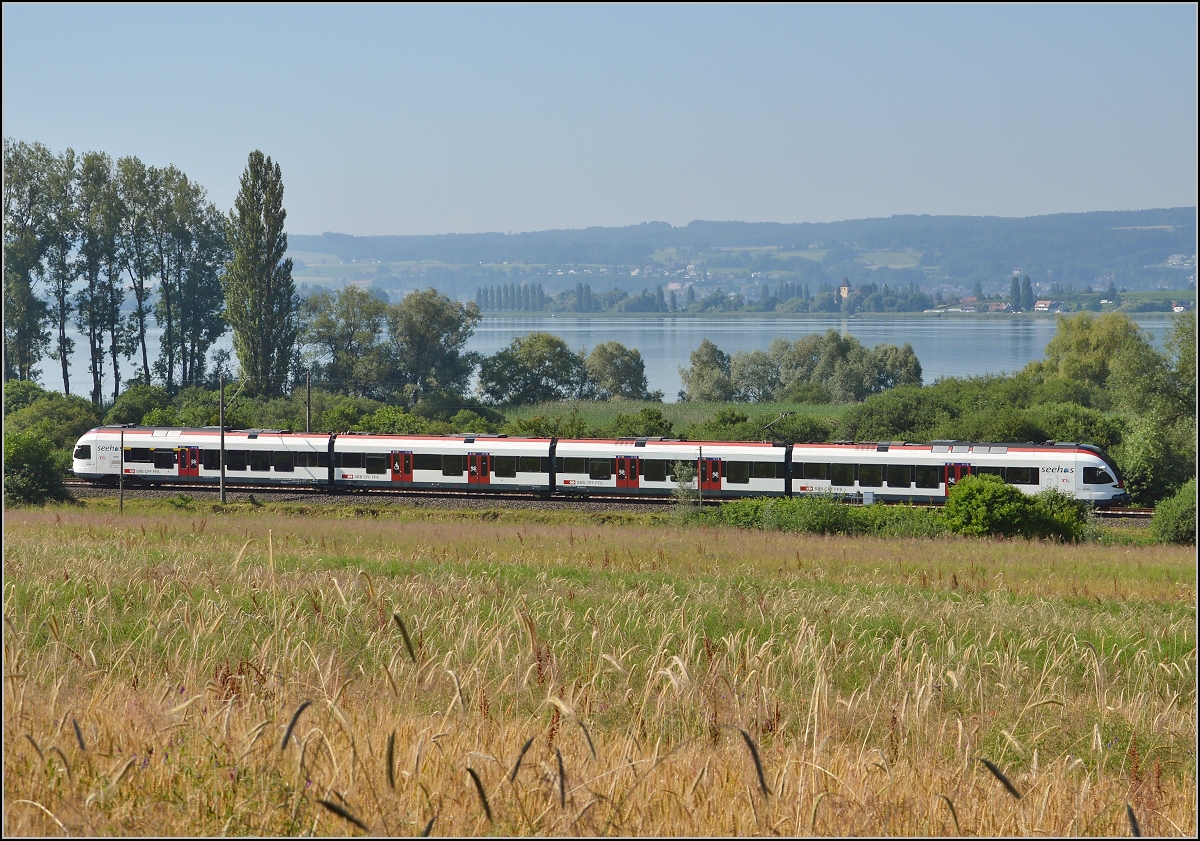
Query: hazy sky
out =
(436, 119)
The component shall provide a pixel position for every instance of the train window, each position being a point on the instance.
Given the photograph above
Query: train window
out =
(141, 454)
(284, 462)
(737, 472)
(870, 475)
(809, 470)
(1021, 475)
(83, 451)
(842, 474)
(422, 461)
(994, 471)
(928, 476)
(350, 460)
(210, 459)
(533, 464)
(766, 470)
(1097, 476)
(655, 470)
(300, 459)
(322, 459)
(236, 459)
(600, 468)
(260, 460)
(164, 459)
(453, 465)
(504, 467)
(377, 463)
(899, 475)
(574, 465)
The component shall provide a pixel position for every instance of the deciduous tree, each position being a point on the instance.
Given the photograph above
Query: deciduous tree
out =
(27, 168)
(342, 334)
(428, 333)
(619, 372)
(708, 377)
(535, 368)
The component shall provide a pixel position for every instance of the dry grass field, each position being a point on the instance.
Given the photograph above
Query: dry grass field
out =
(398, 671)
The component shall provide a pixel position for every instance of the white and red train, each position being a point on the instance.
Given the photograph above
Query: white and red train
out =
(883, 471)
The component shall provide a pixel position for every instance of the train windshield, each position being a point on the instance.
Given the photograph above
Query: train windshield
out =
(83, 451)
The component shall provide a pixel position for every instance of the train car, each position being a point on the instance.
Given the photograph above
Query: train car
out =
(925, 473)
(449, 462)
(152, 455)
(646, 467)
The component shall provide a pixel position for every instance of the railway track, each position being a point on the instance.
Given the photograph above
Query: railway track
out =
(322, 494)
(418, 496)
(1125, 513)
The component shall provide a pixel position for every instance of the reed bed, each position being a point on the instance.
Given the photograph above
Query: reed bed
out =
(191, 672)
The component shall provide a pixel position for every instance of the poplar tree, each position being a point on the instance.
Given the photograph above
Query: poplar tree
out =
(260, 298)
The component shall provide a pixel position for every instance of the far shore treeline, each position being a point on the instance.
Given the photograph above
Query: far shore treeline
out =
(84, 232)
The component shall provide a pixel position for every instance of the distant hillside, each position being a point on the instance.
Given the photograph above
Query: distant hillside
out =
(1070, 248)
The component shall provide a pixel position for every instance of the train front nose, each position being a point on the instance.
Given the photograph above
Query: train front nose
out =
(83, 463)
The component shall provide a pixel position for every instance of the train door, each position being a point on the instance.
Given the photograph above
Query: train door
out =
(627, 472)
(402, 467)
(956, 472)
(710, 474)
(478, 469)
(189, 461)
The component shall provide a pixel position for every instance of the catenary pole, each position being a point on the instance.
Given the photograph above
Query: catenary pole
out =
(222, 422)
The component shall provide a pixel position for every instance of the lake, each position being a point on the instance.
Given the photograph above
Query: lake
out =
(946, 346)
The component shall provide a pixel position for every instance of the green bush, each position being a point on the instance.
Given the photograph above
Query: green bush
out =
(58, 418)
(1174, 519)
(828, 515)
(468, 420)
(1073, 422)
(1004, 424)
(900, 521)
(137, 401)
(161, 417)
(1155, 457)
(445, 405)
(20, 393)
(904, 413)
(1059, 515)
(985, 505)
(33, 470)
(648, 422)
(550, 426)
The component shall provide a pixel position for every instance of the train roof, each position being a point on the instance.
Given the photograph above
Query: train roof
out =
(939, 446)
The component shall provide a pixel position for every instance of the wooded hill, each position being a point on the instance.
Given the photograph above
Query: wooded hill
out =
(1131, 247)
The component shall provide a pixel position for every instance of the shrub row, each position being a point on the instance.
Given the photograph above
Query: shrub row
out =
(977, 506)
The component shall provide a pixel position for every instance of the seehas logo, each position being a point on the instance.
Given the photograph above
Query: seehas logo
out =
(1059, 469)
